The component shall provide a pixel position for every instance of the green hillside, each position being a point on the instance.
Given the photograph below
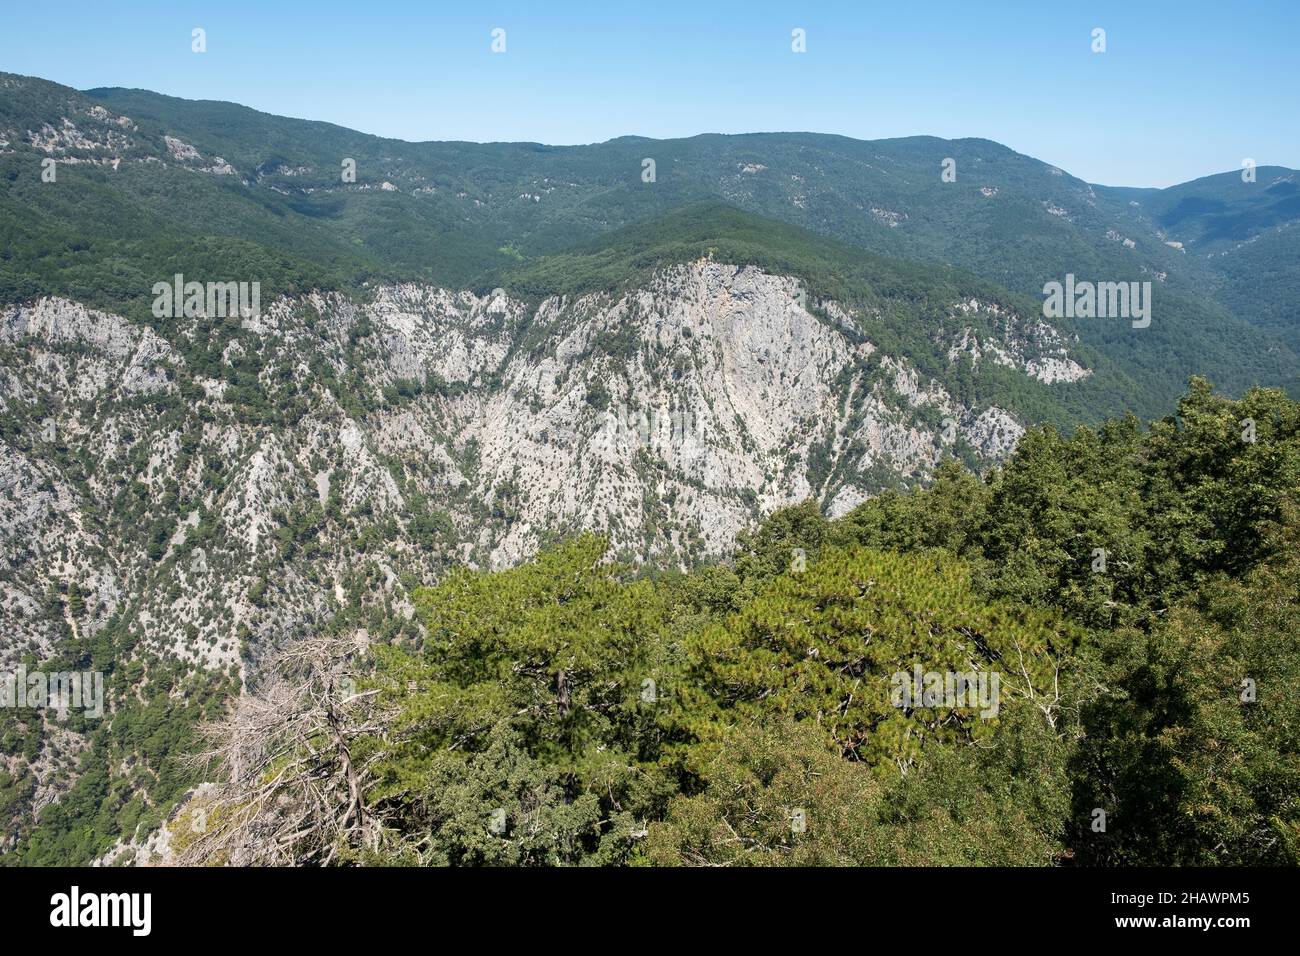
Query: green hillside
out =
(1244, 236)
(571, 712)
(479, 215)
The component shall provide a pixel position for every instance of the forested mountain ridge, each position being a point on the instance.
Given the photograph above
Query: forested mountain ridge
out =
(471, 357)
(1244, 234)
(223, 188)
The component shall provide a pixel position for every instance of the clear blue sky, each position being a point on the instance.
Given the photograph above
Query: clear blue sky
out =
(1184, 89)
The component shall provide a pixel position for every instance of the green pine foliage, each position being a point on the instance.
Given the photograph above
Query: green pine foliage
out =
(575, 711)
(570, 711)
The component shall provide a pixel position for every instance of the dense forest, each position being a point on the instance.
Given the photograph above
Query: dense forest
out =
(1133, 588)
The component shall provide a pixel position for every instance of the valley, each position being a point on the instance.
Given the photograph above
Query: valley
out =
(266, 382)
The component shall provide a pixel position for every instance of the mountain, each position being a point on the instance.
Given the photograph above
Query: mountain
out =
(474, 350)
(165, 185)
(197, 501)
(1241, 234)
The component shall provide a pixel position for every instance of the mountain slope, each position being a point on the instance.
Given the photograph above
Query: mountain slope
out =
(174, 507)
(204, 187)
(475, 348)
(1243, 234)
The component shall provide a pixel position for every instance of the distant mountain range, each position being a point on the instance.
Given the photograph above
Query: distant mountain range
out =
(165, 185)
(467, 351)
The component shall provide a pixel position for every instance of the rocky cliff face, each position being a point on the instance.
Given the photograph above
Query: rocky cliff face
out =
(214, 487)
(337, 448)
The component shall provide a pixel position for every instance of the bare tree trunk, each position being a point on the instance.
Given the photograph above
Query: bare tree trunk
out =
(562, 699)
(294, 791)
